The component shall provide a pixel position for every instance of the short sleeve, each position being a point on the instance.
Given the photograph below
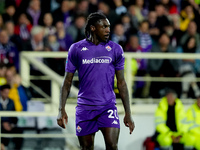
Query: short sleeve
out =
(71, 64)
(119, 61)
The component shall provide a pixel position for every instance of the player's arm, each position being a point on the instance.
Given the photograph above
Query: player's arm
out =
(65, 89)
(123, 91)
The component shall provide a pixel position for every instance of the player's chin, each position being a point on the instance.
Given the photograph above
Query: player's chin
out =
(106, 39)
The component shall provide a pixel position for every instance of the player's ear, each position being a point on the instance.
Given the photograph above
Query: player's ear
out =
(92, 28)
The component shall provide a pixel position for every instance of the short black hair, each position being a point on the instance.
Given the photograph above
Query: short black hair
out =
(92, 19)
(142, 22)
(169, 90)
(5, 86)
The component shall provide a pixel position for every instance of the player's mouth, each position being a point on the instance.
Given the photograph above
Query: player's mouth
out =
(106, 36)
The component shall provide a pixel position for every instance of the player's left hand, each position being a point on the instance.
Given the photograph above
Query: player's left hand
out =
(128, 121)
(62, 118)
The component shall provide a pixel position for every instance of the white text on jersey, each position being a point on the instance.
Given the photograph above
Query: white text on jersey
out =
(98, 60)
(84, 49)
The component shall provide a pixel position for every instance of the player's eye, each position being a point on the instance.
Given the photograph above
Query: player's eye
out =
(104, 27)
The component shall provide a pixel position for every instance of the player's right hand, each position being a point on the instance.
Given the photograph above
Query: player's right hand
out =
(62, 118)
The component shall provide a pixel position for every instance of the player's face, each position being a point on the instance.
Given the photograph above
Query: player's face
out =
(102, 30)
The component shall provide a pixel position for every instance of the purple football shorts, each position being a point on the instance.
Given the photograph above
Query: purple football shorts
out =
(89, 121)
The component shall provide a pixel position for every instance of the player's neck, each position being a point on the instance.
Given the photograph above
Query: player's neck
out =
(94, 40)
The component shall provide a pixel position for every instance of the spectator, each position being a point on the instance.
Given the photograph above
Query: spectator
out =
(59, 41)
(37, 44)
(13, 92)
(195, 4)
(140, 11)
(53, 45)
(76, 30)
(18, 93)
(169, 117)
(144, 37)
(186, 16)
(22, 5)
(9, 124)
(35, 12)
(3, 69)
(134, 19)
(48, 24)
(170, 7)
(141, 87)
(110, 13)
(10, 28)
(161, 67)
(172, 12)
(191, 32)
(154, 31)
(119, 7)
(127, 25)
(8, 51)
(82, 7)
(63, 38)
(196, 9)
(193, 117)
(173, 33)
(133, 46)
(162, 18)
(23, 29)
(189, 68)
(10, 14)
(24, 93)
(175, 19)
(65, 12)
(118, 35)
(37, 38)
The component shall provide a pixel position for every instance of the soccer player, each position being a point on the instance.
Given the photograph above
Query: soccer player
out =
(97, 60)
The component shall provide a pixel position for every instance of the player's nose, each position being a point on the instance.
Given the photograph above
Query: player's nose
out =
(108, 30)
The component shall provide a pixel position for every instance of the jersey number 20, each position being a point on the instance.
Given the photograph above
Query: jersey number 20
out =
(112, 114)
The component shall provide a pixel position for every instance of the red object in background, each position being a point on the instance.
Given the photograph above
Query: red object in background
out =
(18, 2)
(148, 144)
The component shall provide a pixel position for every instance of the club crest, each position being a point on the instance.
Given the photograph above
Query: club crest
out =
(78, 129)
(108, 48)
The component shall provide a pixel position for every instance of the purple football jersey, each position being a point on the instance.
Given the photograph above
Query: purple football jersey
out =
(96, 65)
